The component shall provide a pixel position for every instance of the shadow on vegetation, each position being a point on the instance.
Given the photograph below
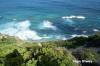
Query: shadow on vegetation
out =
(13, 59)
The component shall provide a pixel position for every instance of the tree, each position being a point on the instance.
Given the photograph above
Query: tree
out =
(13, 59)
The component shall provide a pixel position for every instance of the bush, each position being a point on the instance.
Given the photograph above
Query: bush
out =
(13, 59)
(86, 54)
(51, 57)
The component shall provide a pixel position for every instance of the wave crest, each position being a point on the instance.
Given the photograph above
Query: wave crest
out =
(73, 17)
(48, 24)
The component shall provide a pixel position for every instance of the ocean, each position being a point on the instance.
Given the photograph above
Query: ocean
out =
(49, 20)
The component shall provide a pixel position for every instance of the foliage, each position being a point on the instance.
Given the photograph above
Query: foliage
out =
(51, 57)
(88, 55)
(31, 62)
(15, 52)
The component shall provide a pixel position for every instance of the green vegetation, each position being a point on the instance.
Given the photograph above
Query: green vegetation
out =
(72, 43)
(86, 54)
(15, 52)
(90, 41)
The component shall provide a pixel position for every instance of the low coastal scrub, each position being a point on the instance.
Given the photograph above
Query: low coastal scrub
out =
(90, 41)
(15, 52)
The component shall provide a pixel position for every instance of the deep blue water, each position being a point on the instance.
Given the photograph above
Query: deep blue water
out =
(46, 20)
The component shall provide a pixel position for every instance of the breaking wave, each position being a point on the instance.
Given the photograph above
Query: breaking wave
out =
(76, 35)
(48, 24)
(95, 30)
(73, 17)
(21, 30)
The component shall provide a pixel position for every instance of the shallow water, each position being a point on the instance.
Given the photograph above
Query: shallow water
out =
(46, 20)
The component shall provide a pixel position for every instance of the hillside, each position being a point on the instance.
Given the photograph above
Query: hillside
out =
(16, 52)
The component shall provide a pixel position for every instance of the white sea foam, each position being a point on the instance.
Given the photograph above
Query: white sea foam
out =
(45, 36)
(64, 38)
(73, 17)
(75, 35)
(80, 17)
(48, 24)
(24, 25)
(69, 22)
(20, 30)
(60, 37)
(84, 31)
(68, 17)
(28, 35)
(95, 30)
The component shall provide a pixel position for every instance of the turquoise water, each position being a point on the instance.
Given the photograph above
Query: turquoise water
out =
(46, 20)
